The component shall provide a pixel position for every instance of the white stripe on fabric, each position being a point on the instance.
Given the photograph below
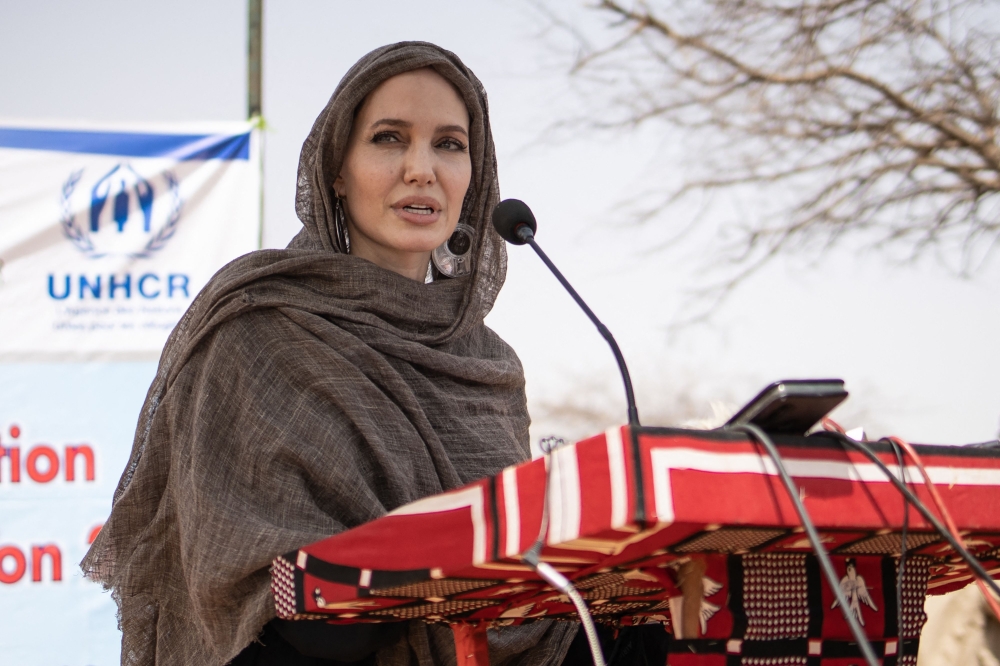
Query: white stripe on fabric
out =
(512, 512)
(665, 459)
(712, 461)
(663, 497)
(471, 497)
(564, 496)
(619, 480)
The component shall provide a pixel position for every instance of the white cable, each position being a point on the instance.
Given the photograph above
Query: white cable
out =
(547, 572)
(561, 583)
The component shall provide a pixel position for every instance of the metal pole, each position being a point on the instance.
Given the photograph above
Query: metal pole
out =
(254, 39)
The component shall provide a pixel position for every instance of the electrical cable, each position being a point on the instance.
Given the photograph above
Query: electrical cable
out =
(824, 558)
(901, 571)
(946, 515)
(561, 583)
(970, 559)
(830, 425)
(548, 573)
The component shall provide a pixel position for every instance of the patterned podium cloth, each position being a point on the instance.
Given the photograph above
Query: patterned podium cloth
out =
(630, 525)
(773, 608)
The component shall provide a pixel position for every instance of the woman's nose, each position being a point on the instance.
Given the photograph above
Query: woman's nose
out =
(418, 167)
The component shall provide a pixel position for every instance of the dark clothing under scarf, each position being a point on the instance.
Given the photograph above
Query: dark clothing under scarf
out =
(305, 392)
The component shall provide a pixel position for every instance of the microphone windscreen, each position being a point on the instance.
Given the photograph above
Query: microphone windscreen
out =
(509, 215)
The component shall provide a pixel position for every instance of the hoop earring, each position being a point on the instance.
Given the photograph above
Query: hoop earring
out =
(453, 258)
(341, 237)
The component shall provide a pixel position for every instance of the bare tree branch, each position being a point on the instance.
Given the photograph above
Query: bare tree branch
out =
(868, 118)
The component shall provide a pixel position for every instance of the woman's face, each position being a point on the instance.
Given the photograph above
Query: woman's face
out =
(406, 171)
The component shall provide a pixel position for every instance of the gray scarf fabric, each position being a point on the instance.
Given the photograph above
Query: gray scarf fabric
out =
(305, 392)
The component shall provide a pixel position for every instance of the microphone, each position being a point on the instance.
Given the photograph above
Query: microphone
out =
(516, 224)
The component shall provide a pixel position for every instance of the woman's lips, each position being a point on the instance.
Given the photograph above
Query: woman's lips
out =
(420, 217)
(418, 210)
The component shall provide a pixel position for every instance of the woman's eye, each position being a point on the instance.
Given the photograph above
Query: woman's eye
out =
(451, 144)
(385, 137)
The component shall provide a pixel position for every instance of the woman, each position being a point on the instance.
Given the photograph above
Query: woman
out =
(312, 389)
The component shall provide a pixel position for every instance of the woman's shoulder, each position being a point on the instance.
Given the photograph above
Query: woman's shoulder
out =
(483, 342)
(262, 333)
(259, 264)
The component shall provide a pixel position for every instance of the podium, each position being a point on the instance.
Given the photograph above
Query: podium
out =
(689, 529)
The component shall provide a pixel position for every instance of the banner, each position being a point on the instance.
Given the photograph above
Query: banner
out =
(66, 431)
(106, 235)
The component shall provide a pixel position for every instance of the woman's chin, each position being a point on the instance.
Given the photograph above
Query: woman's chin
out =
(405, 238)
(418, 242)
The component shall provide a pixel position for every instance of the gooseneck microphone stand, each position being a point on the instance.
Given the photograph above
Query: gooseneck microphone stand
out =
(525, 233)
(516, 224)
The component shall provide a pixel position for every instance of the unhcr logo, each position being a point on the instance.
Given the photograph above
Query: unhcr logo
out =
(120, 213)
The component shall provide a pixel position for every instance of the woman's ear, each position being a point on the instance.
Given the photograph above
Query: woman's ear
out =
(338, 186)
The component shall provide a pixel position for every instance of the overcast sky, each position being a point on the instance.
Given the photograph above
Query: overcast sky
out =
(916, 345)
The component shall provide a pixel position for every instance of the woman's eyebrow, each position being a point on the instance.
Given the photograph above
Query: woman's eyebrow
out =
(391, 122)
(452, 128)
(396, 122)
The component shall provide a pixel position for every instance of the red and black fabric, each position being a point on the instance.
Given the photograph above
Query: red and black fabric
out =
(779, 610)
(624, 520)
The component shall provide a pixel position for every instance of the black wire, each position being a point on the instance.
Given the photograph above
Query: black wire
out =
(902, 551)
(824, 558)
(973, 563)
(633, 412)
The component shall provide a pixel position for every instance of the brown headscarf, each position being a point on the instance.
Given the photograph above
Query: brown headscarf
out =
(305, 392)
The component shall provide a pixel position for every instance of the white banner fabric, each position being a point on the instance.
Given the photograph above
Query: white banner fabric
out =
(106, 235)
(65, 435)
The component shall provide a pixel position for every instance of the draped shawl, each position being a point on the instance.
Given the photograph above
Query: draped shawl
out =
(305, 392)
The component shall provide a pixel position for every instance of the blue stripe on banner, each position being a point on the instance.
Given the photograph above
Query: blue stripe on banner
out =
(130, 144)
